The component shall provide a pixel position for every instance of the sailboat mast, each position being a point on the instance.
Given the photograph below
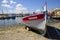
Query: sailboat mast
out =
(45, 11)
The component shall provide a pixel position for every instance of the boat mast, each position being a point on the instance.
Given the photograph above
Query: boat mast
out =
(45, 11)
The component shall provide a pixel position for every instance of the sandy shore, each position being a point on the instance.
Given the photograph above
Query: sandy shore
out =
(18, 33)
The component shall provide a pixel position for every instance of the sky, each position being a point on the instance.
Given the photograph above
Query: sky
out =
(25, 6)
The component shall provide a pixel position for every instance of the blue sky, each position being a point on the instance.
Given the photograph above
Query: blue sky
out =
(37, 4)
(29, 4)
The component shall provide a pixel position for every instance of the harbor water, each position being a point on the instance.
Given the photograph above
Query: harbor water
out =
(7, 22)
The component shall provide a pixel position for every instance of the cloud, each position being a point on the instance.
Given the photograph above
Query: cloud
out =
(6, 5)
(4, 1)
(19, 5)
(38, 11)
(12, 2)
(21, 9)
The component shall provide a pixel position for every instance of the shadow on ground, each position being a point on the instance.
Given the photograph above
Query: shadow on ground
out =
(51, 32)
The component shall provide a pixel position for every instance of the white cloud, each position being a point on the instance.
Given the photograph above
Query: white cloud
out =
(12, 2)
(38, 11)
(20, 9)
(19, 5)
(4, 1)
(6, 5)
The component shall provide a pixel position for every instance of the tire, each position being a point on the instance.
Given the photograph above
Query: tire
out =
(27, 28)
